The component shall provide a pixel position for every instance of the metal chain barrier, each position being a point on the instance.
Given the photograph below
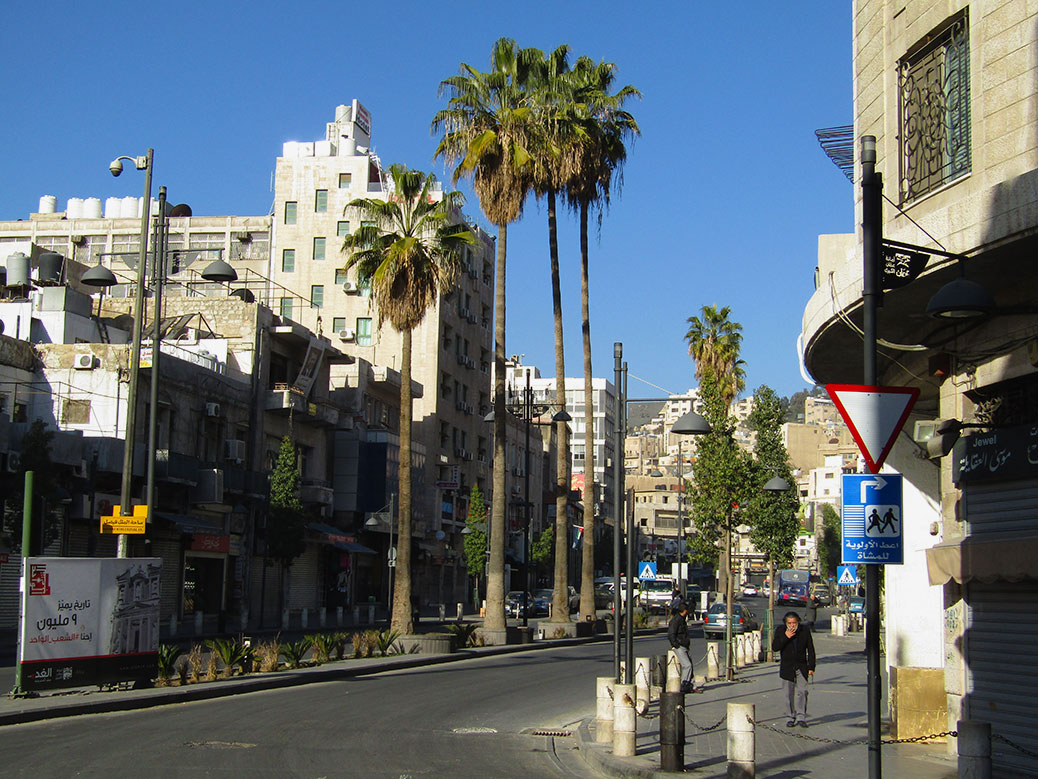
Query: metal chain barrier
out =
(704, 728)
(853, 741)
(1017, 747)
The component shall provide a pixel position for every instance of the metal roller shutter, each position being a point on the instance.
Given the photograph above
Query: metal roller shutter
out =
(10, 573)
(171, 578)
(305, 579)
(1002, 652)
(1000, 507)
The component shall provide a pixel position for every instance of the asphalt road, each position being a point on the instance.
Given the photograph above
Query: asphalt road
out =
(467, 719)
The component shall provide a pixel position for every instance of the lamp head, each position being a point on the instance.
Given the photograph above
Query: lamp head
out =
(116, 166)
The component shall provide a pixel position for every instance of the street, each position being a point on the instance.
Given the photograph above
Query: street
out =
(466, 719)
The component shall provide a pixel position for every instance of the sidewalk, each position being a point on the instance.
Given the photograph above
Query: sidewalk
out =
(837, 712)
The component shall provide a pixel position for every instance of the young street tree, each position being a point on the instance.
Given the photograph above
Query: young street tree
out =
(773, 515)
(476, 537)
(286, 521)
(487, 134)
(410, 254)
(829, 544)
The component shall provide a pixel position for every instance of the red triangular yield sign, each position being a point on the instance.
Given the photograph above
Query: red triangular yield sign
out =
(875, 415)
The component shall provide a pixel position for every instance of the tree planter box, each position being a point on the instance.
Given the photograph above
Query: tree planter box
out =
(429, 643)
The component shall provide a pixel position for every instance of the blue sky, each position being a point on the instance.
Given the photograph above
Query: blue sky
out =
(724, 195)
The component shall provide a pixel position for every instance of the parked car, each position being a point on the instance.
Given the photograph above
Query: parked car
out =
(716, 619)
(514, 603)
(856, 605)
(820, 594)
(604, 595)
(541, 604)
(750, 590)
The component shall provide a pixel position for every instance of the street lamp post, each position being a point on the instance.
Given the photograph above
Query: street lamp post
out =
(145, 163)
(688, 424)
(373, 523)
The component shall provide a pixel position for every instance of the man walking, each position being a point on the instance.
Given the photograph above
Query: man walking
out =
(796, 648)
(677, 634)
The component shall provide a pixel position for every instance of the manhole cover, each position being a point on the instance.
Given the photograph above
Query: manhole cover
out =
(220, 744)
(474, 730)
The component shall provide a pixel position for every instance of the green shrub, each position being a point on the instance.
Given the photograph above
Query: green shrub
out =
(293, 652)
(464, 633)
(232, 653)
(340, 641)
(324, 646)
(194, 659)
(267, 654)
(167, 662)
(385, 642)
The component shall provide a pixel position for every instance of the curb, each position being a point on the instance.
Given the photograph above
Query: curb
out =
(165, 696)
(598, 758)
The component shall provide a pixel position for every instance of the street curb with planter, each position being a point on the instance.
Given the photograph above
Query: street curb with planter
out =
(62, 705)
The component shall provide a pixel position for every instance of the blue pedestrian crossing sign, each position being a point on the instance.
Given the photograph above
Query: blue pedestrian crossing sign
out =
(846, 574)
(872, 526)
(647, 571)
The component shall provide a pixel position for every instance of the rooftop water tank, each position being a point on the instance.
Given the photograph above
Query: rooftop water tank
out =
(92, 208)
(49, 265)
(74, 208)
(48, 204)
(129, 209)
(17, 270)
(113, 207)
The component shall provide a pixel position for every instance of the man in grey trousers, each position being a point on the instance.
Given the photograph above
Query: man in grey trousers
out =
(677, 634)
(796, 648)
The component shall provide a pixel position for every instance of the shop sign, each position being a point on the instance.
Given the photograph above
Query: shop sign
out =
(89, 621)
(205, 542)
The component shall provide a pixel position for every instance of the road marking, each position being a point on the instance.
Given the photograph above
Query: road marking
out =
(467, 731)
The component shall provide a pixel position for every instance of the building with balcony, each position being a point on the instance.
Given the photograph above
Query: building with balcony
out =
(947, 90)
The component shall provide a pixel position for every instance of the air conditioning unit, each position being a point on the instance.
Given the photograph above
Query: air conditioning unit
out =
(482, 458)
(461, 359)
(234, 449)
(212, 409)
(468, 410)
(77, 240)
(84, 362)
(464, 313)
(13, 460)
(466, 455)
(517, 471)
(459, 405)
(347, 335)
(349, 287)
(470, 363)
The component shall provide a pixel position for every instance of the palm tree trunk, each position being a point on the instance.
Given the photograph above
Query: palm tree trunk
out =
(587, 560)
(560, 596)
(401, 621)
(495, 618)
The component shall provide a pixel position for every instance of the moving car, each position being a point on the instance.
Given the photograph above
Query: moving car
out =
(716, 619)
(792, 595)
(750, 590)
(541, 603)
(820, 594)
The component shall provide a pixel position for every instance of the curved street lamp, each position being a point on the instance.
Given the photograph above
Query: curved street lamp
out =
(688, 424)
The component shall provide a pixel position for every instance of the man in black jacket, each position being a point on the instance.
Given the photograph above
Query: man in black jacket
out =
(677, 634)
(797, 651)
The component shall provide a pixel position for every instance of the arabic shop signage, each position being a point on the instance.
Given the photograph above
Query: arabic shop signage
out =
(89, 621)
(1008, 453)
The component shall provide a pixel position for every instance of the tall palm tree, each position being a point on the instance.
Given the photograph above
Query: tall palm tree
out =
(410, 255)
(558, 131)
(488, 136)
(598, 160)
(714, 342)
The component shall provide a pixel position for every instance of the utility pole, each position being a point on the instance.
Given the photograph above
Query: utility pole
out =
(871, 240)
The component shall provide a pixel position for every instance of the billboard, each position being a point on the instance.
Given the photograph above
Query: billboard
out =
(89, 621)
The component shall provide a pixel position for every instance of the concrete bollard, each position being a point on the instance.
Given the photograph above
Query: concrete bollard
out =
(322, 617)
(356, 615)
(338, 616)
(741, 741)
(740, 651)
(604, 709)
(757, 645)
(172, 624)
(461, 612)
(199, 617)
(285, 616)
(371, 613)
(304, 619)
(625, 720)
(642, 683)
(673, 682)
(442, 609)
(974, 745)
(713, 654)
(672, 731)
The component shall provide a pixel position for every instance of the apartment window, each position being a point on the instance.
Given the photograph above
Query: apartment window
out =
(342, 229)
(288, 260)
(321, 201)
(290, 212)
(364, 331)
(934, 109)
(364, 285)
(286, 308)
(345, 179)
(338, 324)
(317, 296)
(367, 223)
(341, 277)
(319, 245)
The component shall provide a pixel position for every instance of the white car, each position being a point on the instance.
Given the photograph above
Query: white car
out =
(750, 590)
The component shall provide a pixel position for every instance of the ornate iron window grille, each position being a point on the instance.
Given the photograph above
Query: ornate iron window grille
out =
(934, 110)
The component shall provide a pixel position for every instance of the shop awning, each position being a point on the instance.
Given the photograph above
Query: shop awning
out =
(330, 535)
(1008, 557)
(353, 548)
(187, 523)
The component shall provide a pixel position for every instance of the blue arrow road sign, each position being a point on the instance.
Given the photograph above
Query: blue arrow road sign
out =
(647, 571)
(846, 574)
(872, 531)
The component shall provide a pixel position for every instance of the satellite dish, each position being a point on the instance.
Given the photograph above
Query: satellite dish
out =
(181, 210)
